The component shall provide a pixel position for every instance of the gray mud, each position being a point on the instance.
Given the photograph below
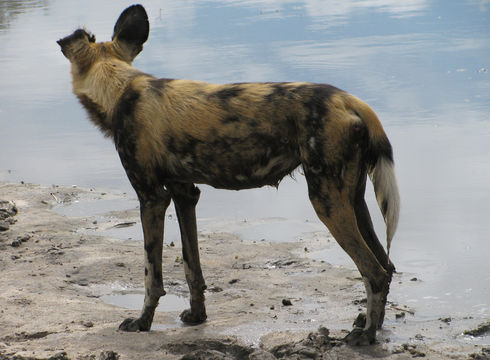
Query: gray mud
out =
(266, 300)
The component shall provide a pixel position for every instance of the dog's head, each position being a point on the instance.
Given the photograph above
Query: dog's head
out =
(130, 33)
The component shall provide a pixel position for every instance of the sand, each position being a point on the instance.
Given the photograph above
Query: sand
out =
(264, 300)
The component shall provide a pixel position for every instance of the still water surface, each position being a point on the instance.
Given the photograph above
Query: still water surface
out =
(422, 65)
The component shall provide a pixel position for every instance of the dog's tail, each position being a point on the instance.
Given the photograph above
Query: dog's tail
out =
(381, 168)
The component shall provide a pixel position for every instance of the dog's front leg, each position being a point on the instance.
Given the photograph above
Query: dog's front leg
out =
(152, 218)
(185, 197)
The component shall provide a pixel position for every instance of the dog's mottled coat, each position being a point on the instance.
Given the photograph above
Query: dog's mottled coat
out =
(171, 134)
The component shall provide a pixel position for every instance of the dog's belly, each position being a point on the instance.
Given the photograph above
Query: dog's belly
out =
(234, 168)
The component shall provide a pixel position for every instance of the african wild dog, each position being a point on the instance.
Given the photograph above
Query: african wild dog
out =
(171, 134)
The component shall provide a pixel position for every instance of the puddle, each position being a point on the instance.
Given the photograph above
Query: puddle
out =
(133, 230)
(333, 255)
(277, 230)
(134, 301)
(113, 226)
(92, 207)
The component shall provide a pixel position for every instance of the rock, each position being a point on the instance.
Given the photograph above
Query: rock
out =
(260, 354)
(294, 346)
(59, 356)
(24, 238)
(481, 330)
(4, 225)
(109, 355)
(16, 243)
(215, 289)
(7, 209)
(447, 320)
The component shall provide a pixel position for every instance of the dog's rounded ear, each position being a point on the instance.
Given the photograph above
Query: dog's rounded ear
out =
(131, 30)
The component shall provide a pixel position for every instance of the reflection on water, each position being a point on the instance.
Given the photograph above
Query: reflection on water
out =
(133, 300)
(10, 9)
(421, 64)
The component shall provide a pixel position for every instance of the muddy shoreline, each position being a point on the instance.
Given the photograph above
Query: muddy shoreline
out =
(265, 301)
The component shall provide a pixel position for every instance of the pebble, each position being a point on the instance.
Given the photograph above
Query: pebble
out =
(4, 226)
(16, 243)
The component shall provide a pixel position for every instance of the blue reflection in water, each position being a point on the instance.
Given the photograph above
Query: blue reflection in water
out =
(422, 65)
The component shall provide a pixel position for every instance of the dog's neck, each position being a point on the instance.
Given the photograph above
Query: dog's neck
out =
(100, 89)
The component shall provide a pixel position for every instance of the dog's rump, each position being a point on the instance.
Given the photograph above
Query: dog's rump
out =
(234, 136)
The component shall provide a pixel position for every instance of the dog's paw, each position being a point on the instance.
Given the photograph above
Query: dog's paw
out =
(360, 337)
(132, 325)
(190, 318)
(360, 321)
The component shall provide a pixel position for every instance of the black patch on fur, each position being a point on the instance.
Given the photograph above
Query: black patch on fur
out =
(233, 163)
(96, 113)
(230, 119)
(374, 151)
(315, 163)
(159, 275)
(149, 248)
(185, 256)
(315, 192)
(227, 93)
(279, 91)
(125, 130)
(127, 103)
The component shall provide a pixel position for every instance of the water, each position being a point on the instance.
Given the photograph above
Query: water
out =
(422, 65)
(133, 300)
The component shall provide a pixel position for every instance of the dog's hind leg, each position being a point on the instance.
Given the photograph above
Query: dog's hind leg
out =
(185, 197)
(152, 211)
(334, 206)
(366, 228)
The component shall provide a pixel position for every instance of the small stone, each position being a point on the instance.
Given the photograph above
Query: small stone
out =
(4, 226)
(16, 243)
(109, 355)
(24, 238)
(400, 315)
(287, 302)
(215, 289)
(447, 320)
